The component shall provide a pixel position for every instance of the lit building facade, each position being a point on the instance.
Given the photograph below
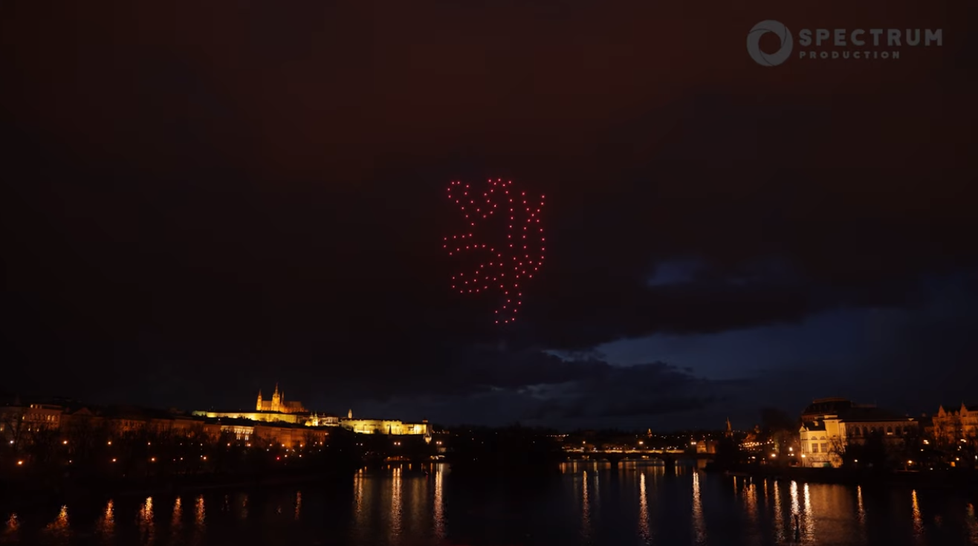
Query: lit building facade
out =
(277, 410)
(260, 416)
(384, 426)
(829, 425)
(951, 426)
(29, 418)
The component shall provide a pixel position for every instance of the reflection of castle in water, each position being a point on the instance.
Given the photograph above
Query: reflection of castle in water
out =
(279, 410)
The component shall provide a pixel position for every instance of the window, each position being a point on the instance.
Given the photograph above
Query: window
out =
(814, 447)
(825, 447)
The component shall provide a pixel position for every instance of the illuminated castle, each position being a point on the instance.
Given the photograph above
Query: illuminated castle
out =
(278, 410)
(278, 404)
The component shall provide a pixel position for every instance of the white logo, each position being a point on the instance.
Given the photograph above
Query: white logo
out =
(754, 43)
(841, 44)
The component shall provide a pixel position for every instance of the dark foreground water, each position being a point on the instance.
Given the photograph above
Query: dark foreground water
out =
(586, 504)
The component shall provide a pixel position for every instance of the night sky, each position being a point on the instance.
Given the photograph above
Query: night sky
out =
(202, 199)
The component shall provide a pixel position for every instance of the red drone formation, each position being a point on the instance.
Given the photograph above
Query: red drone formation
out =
(506, 260)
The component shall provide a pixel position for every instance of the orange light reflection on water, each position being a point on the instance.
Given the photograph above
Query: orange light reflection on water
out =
(699, 526)
(396, 512)
(585, 508)
(439, 508)
(644, 531)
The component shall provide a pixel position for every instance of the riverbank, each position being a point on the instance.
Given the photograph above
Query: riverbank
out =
(938, 479)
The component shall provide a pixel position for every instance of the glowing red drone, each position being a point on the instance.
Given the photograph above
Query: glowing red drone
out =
(503, 231)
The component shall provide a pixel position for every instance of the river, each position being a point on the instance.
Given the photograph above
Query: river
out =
(586, 504)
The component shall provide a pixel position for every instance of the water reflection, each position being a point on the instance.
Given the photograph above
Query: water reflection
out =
(778, 513)
(585, 509)
(177, 517)
(795, 505)
(243, 513)
(750, 503)
(385, 509)
(200, 523)
(146, 529)
(596, 501)
(643, 511)
(105, 526)
(808, 519)
(59, 527)
(918, 521)
(396, 508)
(439, 509)
(699, 525)
(972, 519)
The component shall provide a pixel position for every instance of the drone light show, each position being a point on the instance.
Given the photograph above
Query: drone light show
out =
(500, 245)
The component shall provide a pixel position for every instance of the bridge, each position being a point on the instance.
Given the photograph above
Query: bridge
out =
(615, 456)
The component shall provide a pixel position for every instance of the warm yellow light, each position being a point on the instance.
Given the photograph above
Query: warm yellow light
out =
(20, 463)
(109, 442)
(802, 455)
(640, 442)
(65, 442)
(926, 443)
(152, 459)
(791, 449)
(113, 460)
(909, 462)
(774, 455)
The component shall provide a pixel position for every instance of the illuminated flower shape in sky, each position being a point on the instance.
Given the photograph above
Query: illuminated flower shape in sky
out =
(501, 245)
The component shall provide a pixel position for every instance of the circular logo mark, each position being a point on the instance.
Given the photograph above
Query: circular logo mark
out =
(754, 43)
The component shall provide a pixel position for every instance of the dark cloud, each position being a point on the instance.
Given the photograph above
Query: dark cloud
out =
(598, 394)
